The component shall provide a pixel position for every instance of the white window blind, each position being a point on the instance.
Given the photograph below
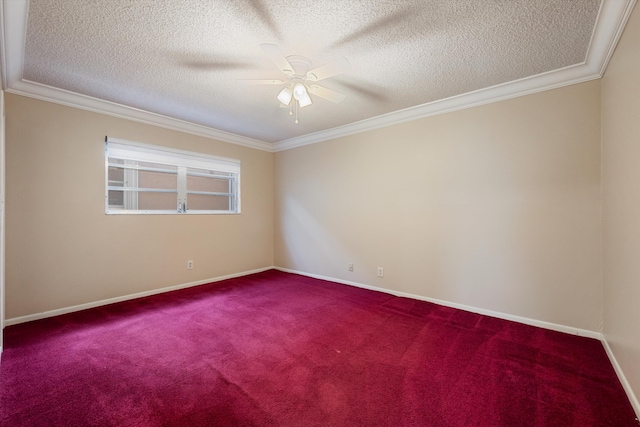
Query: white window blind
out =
(142, 178)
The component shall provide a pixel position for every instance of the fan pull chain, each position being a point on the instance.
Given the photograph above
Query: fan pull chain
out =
(296, 122)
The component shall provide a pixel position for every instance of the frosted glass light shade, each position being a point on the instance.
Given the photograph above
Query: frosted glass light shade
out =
(304, 101)
(299, 91)
(285, 96)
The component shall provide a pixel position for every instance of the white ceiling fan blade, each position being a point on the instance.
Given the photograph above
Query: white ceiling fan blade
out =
(265, 82)
(328, 94)
(329, 70)
(276, 55)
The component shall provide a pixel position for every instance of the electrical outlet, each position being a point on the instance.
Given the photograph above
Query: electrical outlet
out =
(189, 265)
(380, 272)
(351, 267)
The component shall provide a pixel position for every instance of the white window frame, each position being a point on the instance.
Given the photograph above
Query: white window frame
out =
(182, 160)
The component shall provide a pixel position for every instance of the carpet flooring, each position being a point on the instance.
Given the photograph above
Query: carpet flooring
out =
(278, 349)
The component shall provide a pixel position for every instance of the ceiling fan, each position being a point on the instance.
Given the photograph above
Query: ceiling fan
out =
(301, 78)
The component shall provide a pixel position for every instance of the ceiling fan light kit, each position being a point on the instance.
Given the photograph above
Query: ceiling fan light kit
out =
(297, 70)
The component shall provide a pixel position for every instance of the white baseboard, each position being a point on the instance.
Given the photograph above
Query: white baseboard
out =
(499, 315)
(532, 322)
(527, 321)
(65, 310)
(623, 380)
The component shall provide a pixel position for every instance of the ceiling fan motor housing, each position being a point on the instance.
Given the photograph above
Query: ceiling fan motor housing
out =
(301, 66)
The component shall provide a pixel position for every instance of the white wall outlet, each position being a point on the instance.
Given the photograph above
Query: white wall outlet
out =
(350, 266)
(190, 265)
(380, 272)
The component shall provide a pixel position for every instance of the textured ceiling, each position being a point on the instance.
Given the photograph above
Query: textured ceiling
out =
(188, 59)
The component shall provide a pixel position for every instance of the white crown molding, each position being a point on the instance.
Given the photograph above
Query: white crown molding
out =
(612, 17)
(88, 103)
(12, 36)
(3, 61)
(541, 82)
(14, 33)
(14, 29)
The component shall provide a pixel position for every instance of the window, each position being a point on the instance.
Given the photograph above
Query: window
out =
(147, 179)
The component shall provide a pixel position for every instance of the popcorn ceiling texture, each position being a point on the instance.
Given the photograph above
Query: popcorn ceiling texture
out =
(187, 59)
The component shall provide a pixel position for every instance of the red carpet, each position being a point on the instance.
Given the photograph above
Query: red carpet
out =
(276, 349)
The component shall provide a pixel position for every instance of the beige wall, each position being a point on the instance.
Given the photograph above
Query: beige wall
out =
(495, 207)
(63, 250)
(621, 202)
